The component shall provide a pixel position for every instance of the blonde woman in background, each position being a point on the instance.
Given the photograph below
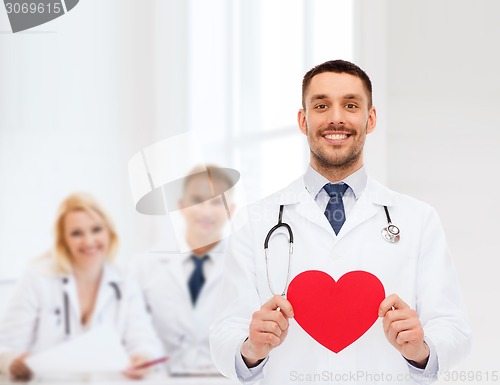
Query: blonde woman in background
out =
(72, 289)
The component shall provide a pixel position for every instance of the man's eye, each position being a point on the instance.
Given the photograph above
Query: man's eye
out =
(351, 106)
(321, 106)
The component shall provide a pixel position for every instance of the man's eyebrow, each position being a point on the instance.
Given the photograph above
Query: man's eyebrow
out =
(318, 97)
(346, 97)
(353, 96)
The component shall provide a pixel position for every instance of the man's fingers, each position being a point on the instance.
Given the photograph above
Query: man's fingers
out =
(408, 336)
(279, 302)
(276, 317)
(268, 323)
(265, 338)
(269, 327)
(402, 326)
(393, 328)
(398, 315)
(390, 303)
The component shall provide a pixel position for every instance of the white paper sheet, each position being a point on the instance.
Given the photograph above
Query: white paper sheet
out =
(97, 351)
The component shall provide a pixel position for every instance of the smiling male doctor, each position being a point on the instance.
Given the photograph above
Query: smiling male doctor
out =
(422, 328)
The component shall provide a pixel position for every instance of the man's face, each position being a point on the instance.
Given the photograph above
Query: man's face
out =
(205, 215)
(336, 119)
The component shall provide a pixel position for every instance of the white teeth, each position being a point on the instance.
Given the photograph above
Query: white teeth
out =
(336, 136)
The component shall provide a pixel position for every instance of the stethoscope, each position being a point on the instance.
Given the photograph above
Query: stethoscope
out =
(67, 322)
(290, 250)
(390, 233)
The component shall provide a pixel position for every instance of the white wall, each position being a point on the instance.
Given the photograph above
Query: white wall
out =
(443, 138)
(370, 53)
(80, 95)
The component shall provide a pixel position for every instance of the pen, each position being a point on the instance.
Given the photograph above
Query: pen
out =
(151, 363)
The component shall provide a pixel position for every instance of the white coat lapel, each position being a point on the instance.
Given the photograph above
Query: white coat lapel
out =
(369, 204)
(173, 265)
(371, 201)
(106, 292)
(73, 307)
(362, 211)
(216, 273)
(297, 196)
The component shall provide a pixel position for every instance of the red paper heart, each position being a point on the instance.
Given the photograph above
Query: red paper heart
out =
(335, 314)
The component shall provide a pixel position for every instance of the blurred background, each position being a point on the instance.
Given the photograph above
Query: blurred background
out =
(79, 96)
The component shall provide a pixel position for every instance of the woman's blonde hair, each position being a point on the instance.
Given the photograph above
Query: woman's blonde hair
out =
(80, 202)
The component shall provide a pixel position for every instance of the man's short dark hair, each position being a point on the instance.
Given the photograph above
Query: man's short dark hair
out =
(213, 175)
(337, 66)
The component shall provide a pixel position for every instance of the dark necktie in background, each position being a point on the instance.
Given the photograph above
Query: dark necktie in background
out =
(197, 278)
(334, 211)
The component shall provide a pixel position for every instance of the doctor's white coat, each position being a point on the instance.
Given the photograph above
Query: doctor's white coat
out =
(418, 268)
(35, 318)
(184, 329)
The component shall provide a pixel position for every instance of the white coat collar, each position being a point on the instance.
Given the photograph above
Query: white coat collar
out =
(110, 274)
(369, 203)
(167, 256)
(374, 192)
(314, 181)
(172, 265)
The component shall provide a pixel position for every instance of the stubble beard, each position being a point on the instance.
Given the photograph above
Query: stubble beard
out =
(329, 161)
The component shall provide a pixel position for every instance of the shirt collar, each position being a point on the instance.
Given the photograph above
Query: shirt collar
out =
(314, 181)
(212, 253)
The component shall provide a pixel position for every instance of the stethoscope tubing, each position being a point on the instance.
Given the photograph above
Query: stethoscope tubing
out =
(67, 322)
(290, 250)
(391, 234)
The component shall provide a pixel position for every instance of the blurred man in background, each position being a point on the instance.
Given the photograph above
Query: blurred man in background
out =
(181, 289)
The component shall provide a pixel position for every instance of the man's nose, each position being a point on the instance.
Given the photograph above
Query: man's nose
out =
(336, 115)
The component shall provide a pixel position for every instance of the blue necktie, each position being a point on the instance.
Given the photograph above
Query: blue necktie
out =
(197, 278)
(334, 211)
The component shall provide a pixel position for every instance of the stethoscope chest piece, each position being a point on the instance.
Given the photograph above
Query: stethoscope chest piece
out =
(391, 233)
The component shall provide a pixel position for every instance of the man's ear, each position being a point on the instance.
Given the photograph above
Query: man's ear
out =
(372, 120)
(301, 120)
